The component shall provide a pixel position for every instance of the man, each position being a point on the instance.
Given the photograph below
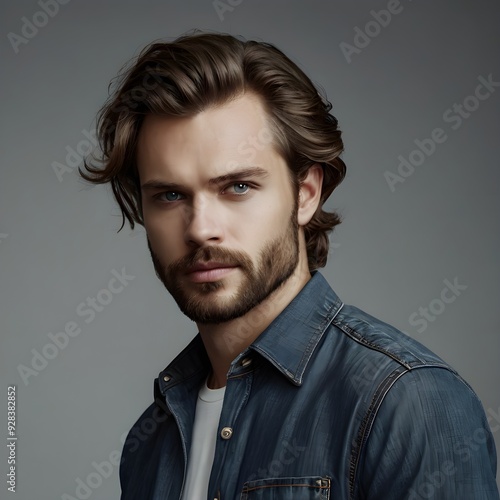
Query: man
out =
(225, 152)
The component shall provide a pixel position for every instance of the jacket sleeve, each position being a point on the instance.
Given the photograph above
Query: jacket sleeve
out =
(429, 439)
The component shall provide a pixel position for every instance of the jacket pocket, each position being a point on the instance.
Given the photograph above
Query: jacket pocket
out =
(286, 488)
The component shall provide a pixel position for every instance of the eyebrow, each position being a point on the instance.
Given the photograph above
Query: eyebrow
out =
(236, 175)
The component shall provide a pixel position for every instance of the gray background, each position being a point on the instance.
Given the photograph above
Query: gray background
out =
(58, 239)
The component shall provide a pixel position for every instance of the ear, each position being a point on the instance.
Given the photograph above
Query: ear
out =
(310, 194)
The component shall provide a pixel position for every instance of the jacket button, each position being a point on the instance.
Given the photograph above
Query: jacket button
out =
(166, 378)
(246, 362)
(226, 433)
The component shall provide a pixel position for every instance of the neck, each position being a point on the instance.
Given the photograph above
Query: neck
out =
(225, 341)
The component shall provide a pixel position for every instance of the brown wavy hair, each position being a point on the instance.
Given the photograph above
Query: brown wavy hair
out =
(200, 70)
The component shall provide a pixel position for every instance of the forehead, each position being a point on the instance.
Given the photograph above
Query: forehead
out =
(237, 131)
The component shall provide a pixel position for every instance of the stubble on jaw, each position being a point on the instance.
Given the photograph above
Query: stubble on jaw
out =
(277, 261)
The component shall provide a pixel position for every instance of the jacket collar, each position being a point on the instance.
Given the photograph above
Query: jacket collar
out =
(288, 343)
(291, 339)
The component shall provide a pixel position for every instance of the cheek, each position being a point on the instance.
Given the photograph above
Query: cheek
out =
(165, 237)
(264, 223)
(275, 215)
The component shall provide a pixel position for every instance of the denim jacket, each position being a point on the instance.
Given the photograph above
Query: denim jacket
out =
(327, 403)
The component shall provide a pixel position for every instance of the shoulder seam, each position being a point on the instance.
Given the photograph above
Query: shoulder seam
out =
(376, 402)
(358, 338)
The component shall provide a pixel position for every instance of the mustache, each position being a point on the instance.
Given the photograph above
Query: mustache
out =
(208, 254)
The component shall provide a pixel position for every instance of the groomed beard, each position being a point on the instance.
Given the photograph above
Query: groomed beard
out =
(276, 263)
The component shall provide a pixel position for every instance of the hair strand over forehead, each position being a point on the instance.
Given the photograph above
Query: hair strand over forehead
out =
(196, 71)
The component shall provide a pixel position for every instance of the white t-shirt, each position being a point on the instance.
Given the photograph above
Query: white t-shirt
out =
(201, 456)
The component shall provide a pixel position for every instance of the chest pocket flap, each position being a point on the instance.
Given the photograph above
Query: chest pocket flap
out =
(287, 488)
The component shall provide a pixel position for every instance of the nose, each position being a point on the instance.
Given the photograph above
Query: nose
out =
(203, 223)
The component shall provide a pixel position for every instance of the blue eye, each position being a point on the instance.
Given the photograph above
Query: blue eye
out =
(171, 196)
(240, 187)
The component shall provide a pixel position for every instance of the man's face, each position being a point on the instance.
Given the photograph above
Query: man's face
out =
(219, 209)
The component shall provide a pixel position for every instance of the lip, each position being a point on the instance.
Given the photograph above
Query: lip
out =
(207, 266)
(209, 271)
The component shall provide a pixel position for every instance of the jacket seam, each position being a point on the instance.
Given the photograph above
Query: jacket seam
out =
(358, 338)
(366, 425)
